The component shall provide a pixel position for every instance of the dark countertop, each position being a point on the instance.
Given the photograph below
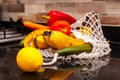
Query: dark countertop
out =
(10, 71)
(112, 33)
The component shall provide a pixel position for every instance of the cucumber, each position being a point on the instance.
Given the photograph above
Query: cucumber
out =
(21, 42)
(87, 47)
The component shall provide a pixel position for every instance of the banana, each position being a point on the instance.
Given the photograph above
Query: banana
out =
(35, 39)
(59, 40)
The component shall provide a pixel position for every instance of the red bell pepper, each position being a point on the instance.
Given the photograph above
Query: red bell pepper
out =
(55, 15)
(61, 25)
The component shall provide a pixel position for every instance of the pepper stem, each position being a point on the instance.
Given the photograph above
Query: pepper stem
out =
(45, 17)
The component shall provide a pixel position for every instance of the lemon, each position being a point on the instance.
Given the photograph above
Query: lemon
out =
(29, 59)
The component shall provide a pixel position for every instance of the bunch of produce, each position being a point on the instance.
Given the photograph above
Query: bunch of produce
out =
(56, 34)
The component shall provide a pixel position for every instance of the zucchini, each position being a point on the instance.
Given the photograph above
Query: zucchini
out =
(87, 47)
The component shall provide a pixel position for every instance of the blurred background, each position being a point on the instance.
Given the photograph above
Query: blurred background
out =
(109, 10)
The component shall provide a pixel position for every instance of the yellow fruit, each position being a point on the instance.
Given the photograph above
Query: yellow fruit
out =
(86, 30)
(31, 41)
(59, 40)
(72, 35)
(29, 59)
(40, 43)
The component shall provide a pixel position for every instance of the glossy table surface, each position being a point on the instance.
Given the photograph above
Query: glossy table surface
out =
(10, 71)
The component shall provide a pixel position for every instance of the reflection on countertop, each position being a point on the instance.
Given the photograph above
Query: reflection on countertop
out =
(106, 68)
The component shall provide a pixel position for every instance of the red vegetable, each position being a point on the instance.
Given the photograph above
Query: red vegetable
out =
(55, 15)
(61, 25)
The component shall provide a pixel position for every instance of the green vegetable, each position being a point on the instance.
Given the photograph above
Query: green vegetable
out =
(87, 47)
(21, 42)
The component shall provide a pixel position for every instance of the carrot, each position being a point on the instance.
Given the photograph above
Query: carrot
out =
(34, 26)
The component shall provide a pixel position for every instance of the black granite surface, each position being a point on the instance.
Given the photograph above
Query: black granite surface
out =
(112, 33)
(10, 71)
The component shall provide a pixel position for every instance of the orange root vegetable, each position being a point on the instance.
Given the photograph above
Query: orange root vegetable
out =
(34, 26)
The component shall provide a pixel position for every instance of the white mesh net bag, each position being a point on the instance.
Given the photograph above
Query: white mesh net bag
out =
(89, 29)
